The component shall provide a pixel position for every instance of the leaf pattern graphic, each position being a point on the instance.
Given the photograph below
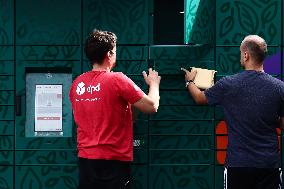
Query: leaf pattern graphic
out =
(247, 17)
(3, 37)
(30, 180)
(223, 63)
(225, 7)
(201, 182)
(5, 143)
(269, 13)
(22, 31)
(3, 184)
(115, 17)
(137, 11)
(163, 180)
(50, 183)
(272, 31)
(182, 183)
(69, 182)
(34, 144)
(226, 26)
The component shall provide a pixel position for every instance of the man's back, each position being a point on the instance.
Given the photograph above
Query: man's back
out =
(251, 102)
(102, 110)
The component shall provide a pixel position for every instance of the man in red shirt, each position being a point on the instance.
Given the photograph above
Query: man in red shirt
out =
(101, 102)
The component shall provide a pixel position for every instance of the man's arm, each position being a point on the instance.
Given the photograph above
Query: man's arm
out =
(198, 95)
(150, 103)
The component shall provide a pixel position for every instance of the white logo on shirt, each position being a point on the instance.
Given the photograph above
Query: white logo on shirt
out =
(80, 88)
(92, 88)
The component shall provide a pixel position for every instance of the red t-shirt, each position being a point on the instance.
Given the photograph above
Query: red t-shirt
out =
(101, 103)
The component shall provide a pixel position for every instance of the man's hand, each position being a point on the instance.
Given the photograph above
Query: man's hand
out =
(198, 95)
(150, 103)
(153, 78)
(189, 75)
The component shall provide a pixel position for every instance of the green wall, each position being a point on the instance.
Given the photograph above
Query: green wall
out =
(175, 148)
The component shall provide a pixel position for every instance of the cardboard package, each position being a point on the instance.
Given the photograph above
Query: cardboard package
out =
(204, 78)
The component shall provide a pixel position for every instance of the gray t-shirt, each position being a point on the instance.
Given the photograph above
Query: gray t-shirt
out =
(252, 103)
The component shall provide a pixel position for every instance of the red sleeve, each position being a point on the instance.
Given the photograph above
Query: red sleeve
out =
(127, 89)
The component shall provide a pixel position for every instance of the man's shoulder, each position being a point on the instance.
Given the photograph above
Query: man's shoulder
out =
(83, 75)
(118, 75)
(230, 77)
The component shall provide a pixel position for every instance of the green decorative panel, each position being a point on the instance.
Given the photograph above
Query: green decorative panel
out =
(6, 67)
(45, 177)
(183, 113)
(181, 176)
(86, 65)
(182, 54)
(140, 156)
(199, 22)
(228, 60)
(48, 22)
(132, 52)
(219, 115)
(236, 19)
(180, 97)
(48, 53)
(130, 60)
(6, 177)
(6, 157)
(6, 98)
(173, 66)
(6, 112)
(128, 19)
(141, 116)
(6, 22)
(6, 52)
(219, 177)
(6, 142)
(42, 143)
(165, 127)
(7, 127)
(182, 156)
(170, 82)
(131, 67)
(140, 127)
(170, 142)
(51, 157)
(61, 65)
(6, 82)
(139, 81)
(140, 175)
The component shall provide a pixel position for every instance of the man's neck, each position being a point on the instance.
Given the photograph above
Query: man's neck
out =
(97, 67)
(254, 66)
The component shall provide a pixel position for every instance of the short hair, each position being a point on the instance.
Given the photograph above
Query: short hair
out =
(256, 47)
(98, 44)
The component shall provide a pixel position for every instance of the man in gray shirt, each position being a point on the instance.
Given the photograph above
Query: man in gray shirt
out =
(253, 105)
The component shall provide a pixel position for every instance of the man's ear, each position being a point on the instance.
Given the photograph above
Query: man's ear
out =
(108, 54)
(246, 56)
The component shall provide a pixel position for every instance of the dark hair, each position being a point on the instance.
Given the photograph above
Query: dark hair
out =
(257, 51)
(98, 44)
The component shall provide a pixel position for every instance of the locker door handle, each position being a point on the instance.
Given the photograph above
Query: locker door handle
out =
(18, 105)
